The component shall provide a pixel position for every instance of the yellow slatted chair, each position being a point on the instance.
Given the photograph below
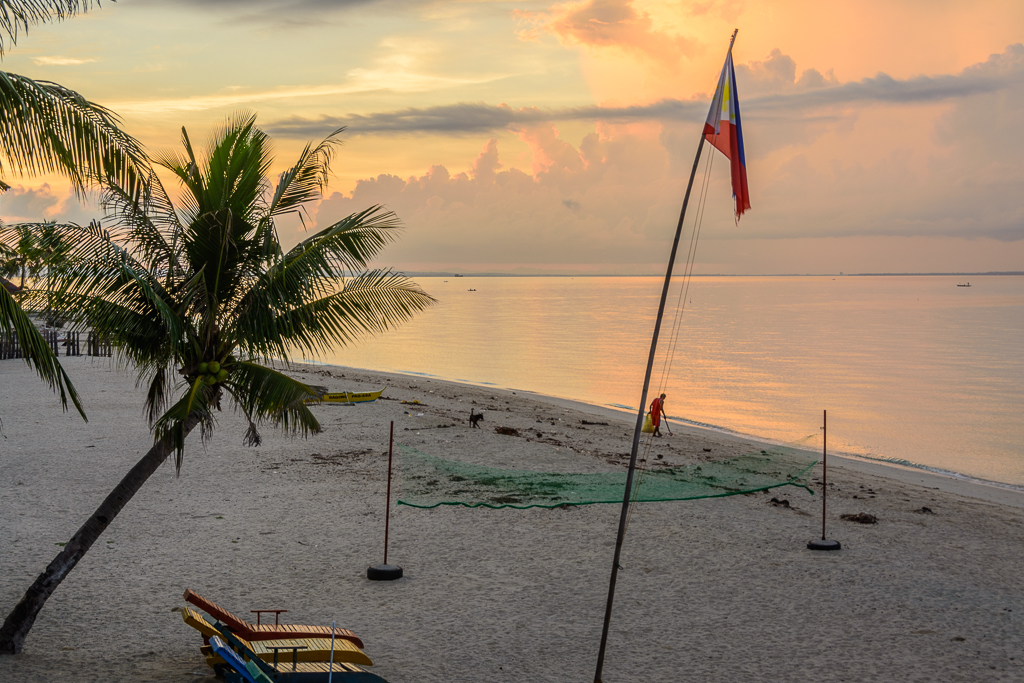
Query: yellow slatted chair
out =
(316, 649)
(273, 631)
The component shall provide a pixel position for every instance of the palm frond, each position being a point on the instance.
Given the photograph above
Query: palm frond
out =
(37, 353)
(236, 167)
(18, 15)
(370, 303)
(157, 395)
(263, 395)
(307, 179)
(184, 166)
(47, 128)
(197, 403)
(311, 268)
(348, 245)
(104, 287)
(150, 223)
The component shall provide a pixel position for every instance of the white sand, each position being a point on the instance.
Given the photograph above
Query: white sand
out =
(712, 590)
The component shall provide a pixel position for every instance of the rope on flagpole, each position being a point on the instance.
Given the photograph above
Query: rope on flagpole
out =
(677, 322)
(624, 514)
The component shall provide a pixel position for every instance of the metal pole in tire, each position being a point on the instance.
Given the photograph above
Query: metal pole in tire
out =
(386, 572)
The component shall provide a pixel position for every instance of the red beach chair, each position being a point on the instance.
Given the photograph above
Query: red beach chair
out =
(273, 631)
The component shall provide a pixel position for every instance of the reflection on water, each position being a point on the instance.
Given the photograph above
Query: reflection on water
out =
(909, 368)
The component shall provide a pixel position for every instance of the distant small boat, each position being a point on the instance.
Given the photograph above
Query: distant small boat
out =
(967, 285)
(472, 290)
(350, 397)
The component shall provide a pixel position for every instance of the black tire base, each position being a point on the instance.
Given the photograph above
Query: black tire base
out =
(383, 572)
(824, 545)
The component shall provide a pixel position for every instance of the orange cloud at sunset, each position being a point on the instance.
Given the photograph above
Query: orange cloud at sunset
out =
(898, 161)
(559, 136)
(610, 24)
(635, 50)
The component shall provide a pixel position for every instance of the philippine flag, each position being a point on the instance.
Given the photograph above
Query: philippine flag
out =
(723, 130)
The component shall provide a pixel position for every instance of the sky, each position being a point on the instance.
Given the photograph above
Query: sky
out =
(557, 137)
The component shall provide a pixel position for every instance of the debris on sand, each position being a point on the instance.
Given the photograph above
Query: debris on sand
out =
(784, 503)
(507, 431)
(860, 518)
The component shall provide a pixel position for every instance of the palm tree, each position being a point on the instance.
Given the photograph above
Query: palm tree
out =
(14, 322)
(47, 128)
(34, 247)
(200, 295)
(21, 252)
(29, 249)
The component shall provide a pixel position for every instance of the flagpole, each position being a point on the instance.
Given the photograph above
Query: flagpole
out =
(643, 404)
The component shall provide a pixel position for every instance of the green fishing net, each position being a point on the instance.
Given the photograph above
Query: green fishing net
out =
(429, 481)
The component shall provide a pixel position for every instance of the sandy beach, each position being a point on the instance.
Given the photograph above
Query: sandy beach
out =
(711, 590)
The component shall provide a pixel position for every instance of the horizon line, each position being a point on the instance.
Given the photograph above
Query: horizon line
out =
(430, 273)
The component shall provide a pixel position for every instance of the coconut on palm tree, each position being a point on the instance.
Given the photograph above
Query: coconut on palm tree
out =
(202, 298)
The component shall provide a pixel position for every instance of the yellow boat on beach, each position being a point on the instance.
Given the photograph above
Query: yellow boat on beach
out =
(351, 397)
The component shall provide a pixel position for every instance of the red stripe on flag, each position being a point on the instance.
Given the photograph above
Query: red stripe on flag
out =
(727, 142)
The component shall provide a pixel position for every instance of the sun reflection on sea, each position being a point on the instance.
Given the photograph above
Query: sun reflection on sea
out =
(910, 368)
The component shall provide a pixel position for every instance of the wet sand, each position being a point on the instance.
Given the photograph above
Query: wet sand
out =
(717, 589)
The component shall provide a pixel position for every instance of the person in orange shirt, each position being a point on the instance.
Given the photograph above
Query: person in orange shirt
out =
(657, 408)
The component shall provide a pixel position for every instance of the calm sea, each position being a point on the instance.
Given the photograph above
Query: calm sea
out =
(911, 369)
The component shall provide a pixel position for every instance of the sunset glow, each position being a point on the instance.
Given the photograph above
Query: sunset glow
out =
(540, 137)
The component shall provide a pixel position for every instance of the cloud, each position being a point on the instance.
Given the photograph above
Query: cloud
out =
(775, 92)
(293, 6)
(574, 209)
(603, 24)
(404, 67)
(23, 204)
(474, 118)
(297, 13)
(27, 204)
(929, 162)
(999, 72)
(777, 73)
(363, 81)
(60, 61)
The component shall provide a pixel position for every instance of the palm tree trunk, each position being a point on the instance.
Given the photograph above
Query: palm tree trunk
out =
(23, 616)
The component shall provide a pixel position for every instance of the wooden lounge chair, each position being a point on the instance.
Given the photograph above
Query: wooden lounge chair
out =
(316, 649)
(287, 671)
(275, 631)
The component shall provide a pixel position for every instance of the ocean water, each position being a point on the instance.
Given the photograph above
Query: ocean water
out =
(911, 369)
